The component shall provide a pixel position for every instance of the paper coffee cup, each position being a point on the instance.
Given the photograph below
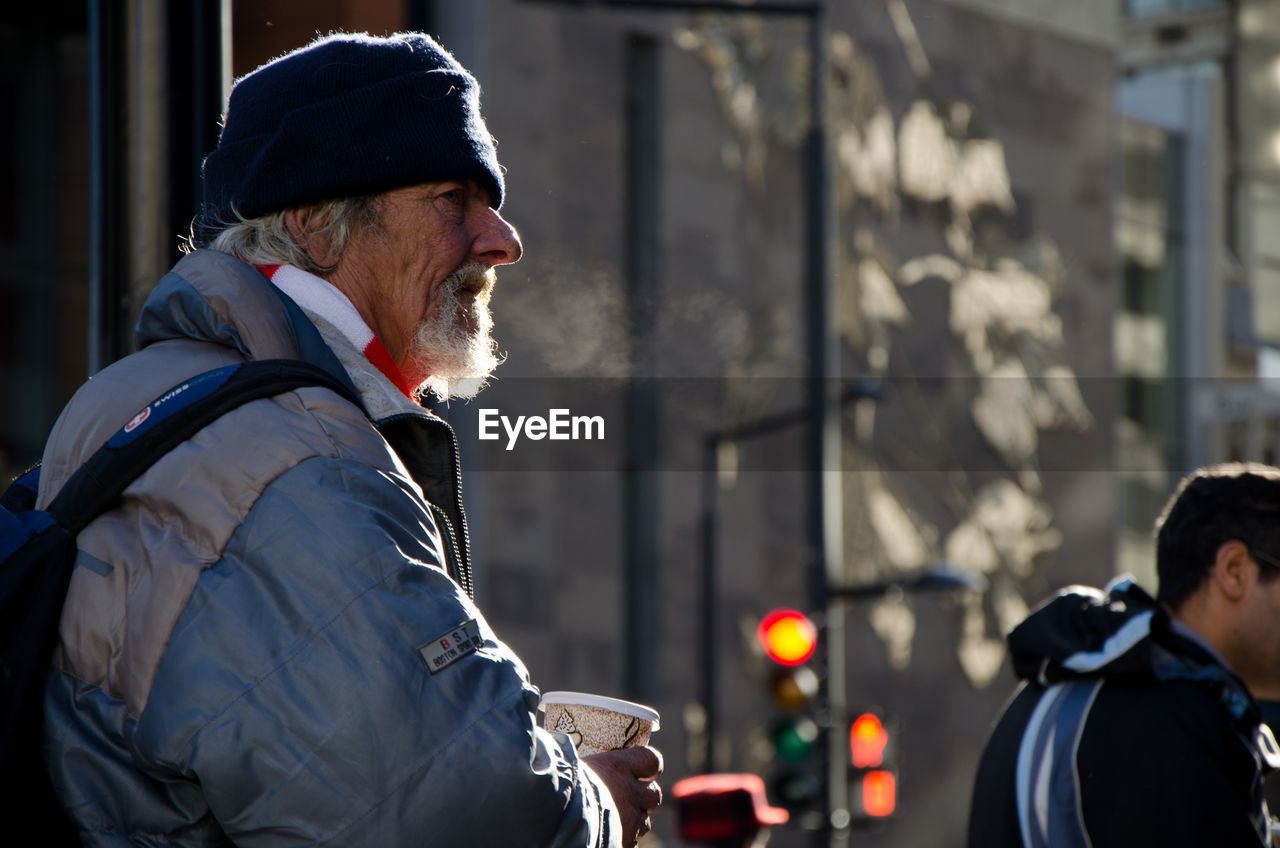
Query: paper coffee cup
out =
(596, 723)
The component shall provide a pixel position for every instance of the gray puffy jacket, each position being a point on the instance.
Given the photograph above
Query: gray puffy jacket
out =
(251, 649)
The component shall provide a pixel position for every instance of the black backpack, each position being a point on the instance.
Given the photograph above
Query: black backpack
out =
(38, 551)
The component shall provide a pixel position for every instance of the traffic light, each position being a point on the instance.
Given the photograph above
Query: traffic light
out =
(788, 636)
(873, 776)
(794, 738)
(790, 639)
(874, 795)
(868, 740)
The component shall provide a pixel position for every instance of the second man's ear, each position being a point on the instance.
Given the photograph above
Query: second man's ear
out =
(1234, 570)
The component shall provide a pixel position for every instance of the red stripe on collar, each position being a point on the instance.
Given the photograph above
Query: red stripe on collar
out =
(374, 351)
(377, 353)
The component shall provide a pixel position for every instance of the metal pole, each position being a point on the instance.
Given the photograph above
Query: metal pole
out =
(107, 161)
(641, 605)
(823, 439)
(939, 578)
(199, 79)
(743, 431)
(710, 588)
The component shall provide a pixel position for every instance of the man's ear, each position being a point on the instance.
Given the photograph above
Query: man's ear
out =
(1234, 572)
(303, 225)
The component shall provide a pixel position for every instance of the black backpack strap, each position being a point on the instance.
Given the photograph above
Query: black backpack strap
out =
(170, 420)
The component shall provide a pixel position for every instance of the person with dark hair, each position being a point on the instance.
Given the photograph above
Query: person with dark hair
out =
(1137, 721)
(273, 640)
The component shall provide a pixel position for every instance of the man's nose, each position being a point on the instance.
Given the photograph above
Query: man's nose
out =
(497, 242)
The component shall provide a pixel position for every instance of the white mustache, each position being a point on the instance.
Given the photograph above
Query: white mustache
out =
(473, 276)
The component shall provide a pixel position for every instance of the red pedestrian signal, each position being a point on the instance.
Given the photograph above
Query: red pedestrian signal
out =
(788, 636)
(873, 772)
(867, 741)
(877, 792)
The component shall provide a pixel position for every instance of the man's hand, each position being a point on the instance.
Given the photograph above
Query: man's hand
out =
(631, 775)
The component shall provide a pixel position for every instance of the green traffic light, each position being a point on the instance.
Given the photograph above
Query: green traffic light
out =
(794, 740)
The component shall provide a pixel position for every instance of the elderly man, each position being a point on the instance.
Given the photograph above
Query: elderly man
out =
(1137, 723)
(272, 640)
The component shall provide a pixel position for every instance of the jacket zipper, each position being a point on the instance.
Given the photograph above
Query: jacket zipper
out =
(464, 564)
(461, 572)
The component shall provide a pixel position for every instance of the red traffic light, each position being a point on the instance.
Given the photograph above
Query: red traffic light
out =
(875, 794)
(788, 636)
(867, 741)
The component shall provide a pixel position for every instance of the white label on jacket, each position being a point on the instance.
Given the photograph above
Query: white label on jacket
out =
(452, 646)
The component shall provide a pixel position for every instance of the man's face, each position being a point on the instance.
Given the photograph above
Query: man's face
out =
(423, 279)
(1258, 624)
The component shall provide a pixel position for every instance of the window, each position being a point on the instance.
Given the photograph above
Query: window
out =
(1158, 8)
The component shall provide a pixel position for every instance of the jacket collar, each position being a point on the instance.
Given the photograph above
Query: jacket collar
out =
(1121, 632)
(214, 297)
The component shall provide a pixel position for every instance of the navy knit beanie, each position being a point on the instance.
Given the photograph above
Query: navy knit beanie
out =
(347, 115)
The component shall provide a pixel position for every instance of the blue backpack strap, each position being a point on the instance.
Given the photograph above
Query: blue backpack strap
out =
(1047, 780)
(21, 494)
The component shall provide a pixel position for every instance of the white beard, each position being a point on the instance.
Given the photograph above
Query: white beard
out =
(458, 362)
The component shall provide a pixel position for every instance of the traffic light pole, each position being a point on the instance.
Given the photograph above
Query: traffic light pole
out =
(709, 584)
(824, 503)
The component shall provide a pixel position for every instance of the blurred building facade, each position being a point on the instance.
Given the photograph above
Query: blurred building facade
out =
(1197, 321)
(1050, 244)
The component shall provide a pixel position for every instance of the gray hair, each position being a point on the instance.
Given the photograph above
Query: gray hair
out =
(266, 240)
